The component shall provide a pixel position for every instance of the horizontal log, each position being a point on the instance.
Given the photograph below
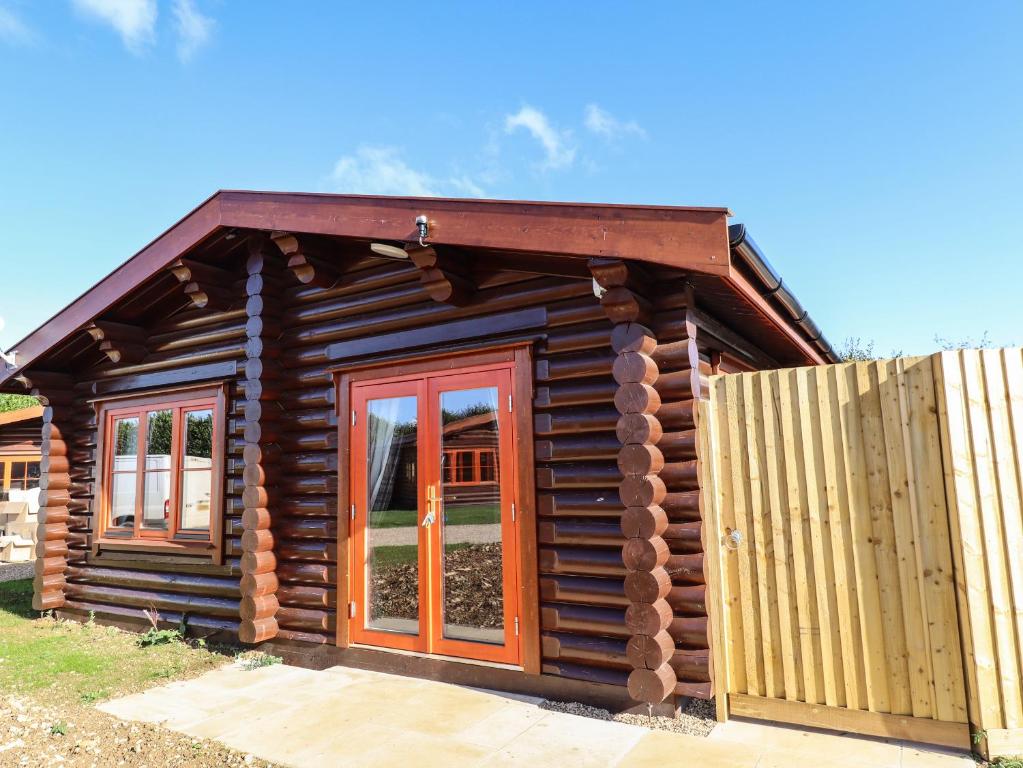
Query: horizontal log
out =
(584, 619)
(678, 445)
(684, 538)
(682, 505)
(686, 569)
(644, 554)
(591, 503)
(307, 550)
(680, 475)
(580, 533)
(677, 415)
(307, 528)
(582, 562)
(291, 484)
(161, 582)
(690, 632)
(585, 672)
(640, 460)
(582, 649)
(578, 448)
(692, 666)
(648, 618)
(574, 393)
(305, 619)
(304, 596)
(577, 475)
(637, 398)
(297, 636)
(580, 589)
(634, 368)
(574, 338)
(575, 366)
(688, 600)
(198, 624)
(595, 418)
(643, 522)
(647, 586)
(703, 691)
(161, 601)
(306, 573)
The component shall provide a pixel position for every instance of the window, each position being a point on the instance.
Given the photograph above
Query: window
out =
(470, 466)
(162, 471)
(18, 473)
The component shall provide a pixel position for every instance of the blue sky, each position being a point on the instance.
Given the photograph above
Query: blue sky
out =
(874, 149)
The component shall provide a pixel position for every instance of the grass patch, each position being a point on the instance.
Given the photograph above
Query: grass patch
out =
(78, 663)
(468, 514)
(405, 554)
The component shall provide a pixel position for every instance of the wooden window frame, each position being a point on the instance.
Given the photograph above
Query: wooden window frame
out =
(174, 540)
(477, 466)
(7, 462)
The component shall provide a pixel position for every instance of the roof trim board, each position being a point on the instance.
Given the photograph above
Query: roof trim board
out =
(694, 239)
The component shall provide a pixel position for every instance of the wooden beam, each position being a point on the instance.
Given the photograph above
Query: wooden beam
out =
(207, 286)
(307, 259)
(121, 343)
(445, 279)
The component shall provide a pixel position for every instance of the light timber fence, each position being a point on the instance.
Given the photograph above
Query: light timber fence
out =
(865, 546)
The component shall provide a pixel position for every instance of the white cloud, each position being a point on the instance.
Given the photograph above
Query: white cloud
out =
(607, 125)
(13, 29)
(383, 171)
(194, 29)
(556, 144)
(134, 20)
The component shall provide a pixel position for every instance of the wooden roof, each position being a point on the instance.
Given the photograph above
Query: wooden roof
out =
(22, 414)
(691, 239)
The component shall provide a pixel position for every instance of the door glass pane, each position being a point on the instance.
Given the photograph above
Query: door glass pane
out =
(197, 471)
(392, 531)
(122, 492)
(472, 582)
(156, 497)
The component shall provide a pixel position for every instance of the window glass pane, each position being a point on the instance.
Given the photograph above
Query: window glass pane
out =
(488, 472)
(196, 488)
(3, 488)
(156, 497)
(122, 502)
(18, 474)
(158, 439)
(33, 475)
(463, 467)
(127, 431)
(198, 439)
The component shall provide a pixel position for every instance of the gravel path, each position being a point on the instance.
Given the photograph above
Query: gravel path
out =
(16, 571)
(696, 719)
(453, 534)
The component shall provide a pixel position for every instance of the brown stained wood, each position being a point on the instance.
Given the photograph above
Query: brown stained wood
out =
(647, 586)
(644, 522)
(650, 651)
(652, 685)
(307, 259)
(638, 428)
(645, 554)
(637, 398)
(639, 460)
(634, 368)
(445, 279)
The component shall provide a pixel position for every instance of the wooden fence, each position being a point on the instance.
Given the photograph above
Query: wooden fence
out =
(862, 521)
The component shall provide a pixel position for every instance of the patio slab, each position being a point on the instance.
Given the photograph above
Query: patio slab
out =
(356, 717)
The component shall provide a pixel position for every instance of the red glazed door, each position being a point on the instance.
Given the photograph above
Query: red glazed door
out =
(434, 562)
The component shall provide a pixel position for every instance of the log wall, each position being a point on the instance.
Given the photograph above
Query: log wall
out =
(118, 586)
(275, 340)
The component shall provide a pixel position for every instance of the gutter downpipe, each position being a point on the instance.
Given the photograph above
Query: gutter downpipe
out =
(742, 245)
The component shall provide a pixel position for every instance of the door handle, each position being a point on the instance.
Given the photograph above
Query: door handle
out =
(431, 506)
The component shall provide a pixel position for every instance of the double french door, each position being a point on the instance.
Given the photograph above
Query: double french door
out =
(433, 531)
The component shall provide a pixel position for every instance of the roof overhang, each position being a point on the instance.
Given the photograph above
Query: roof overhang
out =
(22, 414)
(691, 239)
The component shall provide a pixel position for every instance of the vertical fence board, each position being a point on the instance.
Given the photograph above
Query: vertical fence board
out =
(762, 539)
(748, 576)
(799, 525)
(820, 538)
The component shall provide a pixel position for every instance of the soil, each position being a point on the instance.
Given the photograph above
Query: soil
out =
(473, 588)
(33, 735)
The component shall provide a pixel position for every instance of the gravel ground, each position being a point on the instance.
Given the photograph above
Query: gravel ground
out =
(34, 735)
(696, 719)
(16, 571)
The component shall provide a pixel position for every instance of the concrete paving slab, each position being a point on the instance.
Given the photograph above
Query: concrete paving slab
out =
(354, 717)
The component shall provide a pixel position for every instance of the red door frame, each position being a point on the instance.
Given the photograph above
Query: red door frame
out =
(427, 387)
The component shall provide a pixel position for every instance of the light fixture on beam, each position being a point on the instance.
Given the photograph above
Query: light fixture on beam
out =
(388, 251)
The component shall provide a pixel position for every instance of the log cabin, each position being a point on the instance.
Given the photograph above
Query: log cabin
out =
(448, 438)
